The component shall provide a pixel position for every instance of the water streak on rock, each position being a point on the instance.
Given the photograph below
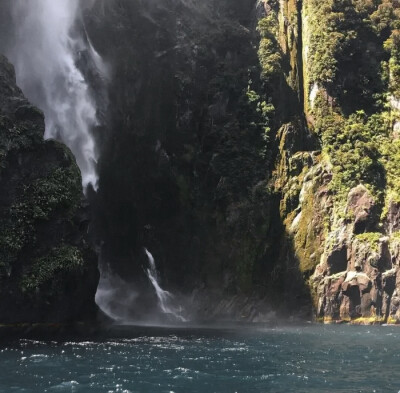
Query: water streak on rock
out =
(165, 298)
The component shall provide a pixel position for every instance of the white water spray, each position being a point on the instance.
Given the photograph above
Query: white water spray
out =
(115, 297)
(45, 55)
(165, 298)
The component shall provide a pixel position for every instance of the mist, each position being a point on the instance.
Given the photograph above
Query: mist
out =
(45, 53)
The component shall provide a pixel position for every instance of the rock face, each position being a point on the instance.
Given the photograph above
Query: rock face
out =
(361, 205)
(48, 273)
(348, 244)
(185, 170)
(251, 152)
(260, 151)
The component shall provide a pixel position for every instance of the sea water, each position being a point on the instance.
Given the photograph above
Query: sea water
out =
(312, 358)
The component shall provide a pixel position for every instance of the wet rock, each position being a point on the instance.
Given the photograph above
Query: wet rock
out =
(48, 272)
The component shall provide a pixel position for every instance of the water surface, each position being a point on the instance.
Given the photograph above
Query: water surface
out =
(310, 359)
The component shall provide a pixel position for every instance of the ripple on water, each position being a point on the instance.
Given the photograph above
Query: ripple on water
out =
(305, 360)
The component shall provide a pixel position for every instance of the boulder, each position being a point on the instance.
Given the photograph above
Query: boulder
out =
(361, 205)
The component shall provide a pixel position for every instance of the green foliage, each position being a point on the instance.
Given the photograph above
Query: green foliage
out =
(269, 52)
(353, 148)
(371, 238)
(385, 16)
(354, 56)
(390, 151)
(345, 51)
(392, 45)
(59, 191)
(50, 269)
(265, 111)
(326, 40)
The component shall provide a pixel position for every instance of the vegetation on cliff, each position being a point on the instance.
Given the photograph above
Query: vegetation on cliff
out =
(350, 63)
(48, 272)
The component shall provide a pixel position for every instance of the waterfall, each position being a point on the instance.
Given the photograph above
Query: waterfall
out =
(45, 55)
(115, 297)
(125, 303)
(165, 298)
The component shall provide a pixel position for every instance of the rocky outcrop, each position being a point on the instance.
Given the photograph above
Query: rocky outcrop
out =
(363, 290)
(339, 204)
(361, 205)
(48, 272)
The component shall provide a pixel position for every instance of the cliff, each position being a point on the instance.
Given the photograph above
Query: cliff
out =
(344, 223)
(48, 273)
(251, 146)
(187, 162)
(259, 140)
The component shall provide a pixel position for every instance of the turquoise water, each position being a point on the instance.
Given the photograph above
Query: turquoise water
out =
(308, 359)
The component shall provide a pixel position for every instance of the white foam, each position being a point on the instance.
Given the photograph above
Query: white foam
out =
(45, 55)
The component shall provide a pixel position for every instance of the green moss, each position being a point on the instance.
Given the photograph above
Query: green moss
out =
(308, 235)
(371, 238)
(372, 320)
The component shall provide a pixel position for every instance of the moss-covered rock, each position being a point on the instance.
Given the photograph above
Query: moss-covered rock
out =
(48, 272)
(352, 109)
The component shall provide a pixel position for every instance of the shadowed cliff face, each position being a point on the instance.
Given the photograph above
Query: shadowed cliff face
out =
(246, 158)
(179, 74)
(186, 163)
(47, 270)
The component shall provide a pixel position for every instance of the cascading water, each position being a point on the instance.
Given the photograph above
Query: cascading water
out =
(50, 41)
(123, 302)
(45, 55)
(165, 298)
(115, 297)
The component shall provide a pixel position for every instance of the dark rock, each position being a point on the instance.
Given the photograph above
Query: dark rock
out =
(48, 272)
(28, 112)
(337, 259)
(393, 217)
(192, 142)
(361, 205)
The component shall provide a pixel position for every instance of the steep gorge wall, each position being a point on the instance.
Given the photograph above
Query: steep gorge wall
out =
(251, 146)
(258, 139)
(186, 170)
(344, 229)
